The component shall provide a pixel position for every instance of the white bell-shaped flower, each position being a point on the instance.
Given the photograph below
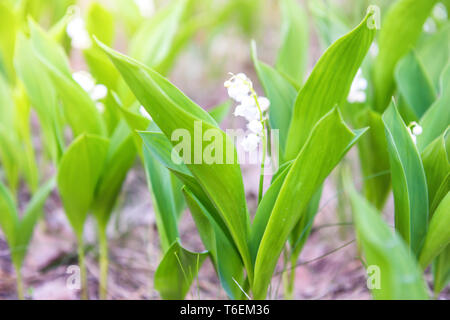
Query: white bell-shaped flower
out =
(357, 90)
(255, 126)
(76, 30)
(250, 143)
(146, 7)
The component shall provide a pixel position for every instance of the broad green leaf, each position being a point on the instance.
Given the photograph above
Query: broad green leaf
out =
(76, 101)
(225, 256)
(329, 83)
(408, 181)
(119, 159)
(437, 119)
(176, 272)
(30, 217)
(437, 169)
(435, 54)
(264, 211)
(18, 231)
(161, 148)
(303, 228)
(9, 25)
(9, 218)
(329, 23)
(42, 95)
(281, 95)
(160, 184)
(401, 28)
(173, 113)
(220, 112)
(78, 174)
(154, 40)
(441, 270)
(374, 158)
(398, 273)
(438, 235)
(100, 23)
(292, 56)
(329, 141)
(414, 84)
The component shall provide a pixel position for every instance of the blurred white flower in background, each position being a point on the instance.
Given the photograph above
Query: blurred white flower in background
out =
(76, 30)
(144, 113)
(357, 90)
(430, 26)
(374, 50)
(440, 11)
(146, 7)
(251, 107)
(415, 130)
(96, 91)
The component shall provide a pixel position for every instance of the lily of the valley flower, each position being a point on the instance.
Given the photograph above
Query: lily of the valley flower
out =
(76, 30)
(415, 130)
(146, 7)
(251, 107)
(357, 90)
(96, 91)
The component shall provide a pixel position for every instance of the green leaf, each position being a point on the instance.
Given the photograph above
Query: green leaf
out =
(438, 236)
(178, 268)
(9, 24)
(281, 95)
(42, 95)
(76, 101)
(328, 84)
(408, 181)
(119, 159)
(414, 84)
(292, 56)
(78, 174)
(220, 112)
(435, 53)
(18, 232)
(173, 112)
(400, 277)
(30, 217)
(374, 158)
(401, 28)
(327, 144)
(9, 218)
(225, 256)
(154, 41)
(441, 271)
(437, 119)
(160, 184)
(437, 170)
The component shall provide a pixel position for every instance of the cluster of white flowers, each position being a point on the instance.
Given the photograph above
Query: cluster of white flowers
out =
(357, 91)
(95, 91)
(440, 14)
(146, 7)
(251, 107)
(76, 30)
(415, 130)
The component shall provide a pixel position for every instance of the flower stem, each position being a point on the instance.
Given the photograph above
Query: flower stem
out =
(83, 274)
(19, 283)
(264, 142)
(104, 261)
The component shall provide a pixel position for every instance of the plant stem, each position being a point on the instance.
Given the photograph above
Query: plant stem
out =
(19, 283)
(261, 174)
(104, 261)
(82, 265)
